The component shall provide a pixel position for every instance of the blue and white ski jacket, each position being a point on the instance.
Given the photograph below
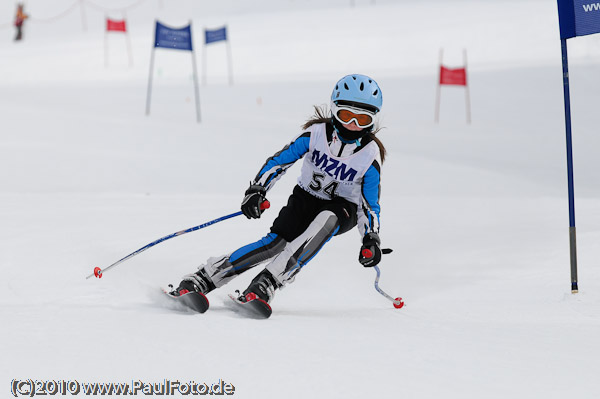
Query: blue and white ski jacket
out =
(332, 168)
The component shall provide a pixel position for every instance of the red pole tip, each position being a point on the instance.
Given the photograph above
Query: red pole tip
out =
(367, 253)
(265, 205)
(398, 303)
(98, 272)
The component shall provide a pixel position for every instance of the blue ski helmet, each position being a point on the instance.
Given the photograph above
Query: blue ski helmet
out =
(358, 89)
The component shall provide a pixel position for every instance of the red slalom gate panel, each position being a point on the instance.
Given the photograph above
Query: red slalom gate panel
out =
(115, 26)
(456, 76)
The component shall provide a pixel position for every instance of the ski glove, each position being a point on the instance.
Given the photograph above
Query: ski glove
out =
(251, 205)
(370, 252)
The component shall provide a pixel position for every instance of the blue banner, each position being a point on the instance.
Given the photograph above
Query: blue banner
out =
(173, 38)
(578, 18)
(216, 35)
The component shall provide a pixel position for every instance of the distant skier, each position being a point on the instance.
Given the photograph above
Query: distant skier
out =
(338, 188)
(20, 18)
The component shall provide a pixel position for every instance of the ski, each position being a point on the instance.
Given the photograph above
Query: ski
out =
(195, 301)
(251, 306)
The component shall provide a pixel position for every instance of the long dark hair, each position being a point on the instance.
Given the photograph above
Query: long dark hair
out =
(321, 115)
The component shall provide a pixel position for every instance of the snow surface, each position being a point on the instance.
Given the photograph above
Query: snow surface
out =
(477, 214)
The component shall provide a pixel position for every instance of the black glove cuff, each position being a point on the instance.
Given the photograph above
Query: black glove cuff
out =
(371, 239)
(255, 188)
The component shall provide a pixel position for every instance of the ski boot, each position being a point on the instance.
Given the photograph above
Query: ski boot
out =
(192, 291)
(194, 282)
(254, 301)
(262, 287)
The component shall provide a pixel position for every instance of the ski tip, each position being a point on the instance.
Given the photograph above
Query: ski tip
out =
(254, 307)
(253, 297)
(195, 301)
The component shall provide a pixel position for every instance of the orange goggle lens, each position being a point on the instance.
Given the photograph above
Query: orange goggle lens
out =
(346, 116)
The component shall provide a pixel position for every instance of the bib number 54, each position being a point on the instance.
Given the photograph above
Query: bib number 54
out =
(317, 185)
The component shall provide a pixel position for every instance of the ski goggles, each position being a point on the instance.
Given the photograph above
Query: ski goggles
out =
(346, 114)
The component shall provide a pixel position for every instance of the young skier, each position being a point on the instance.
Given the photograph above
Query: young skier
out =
(20, 18)
(338, 188)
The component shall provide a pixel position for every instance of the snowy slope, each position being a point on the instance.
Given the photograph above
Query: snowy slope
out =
(477, 214)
